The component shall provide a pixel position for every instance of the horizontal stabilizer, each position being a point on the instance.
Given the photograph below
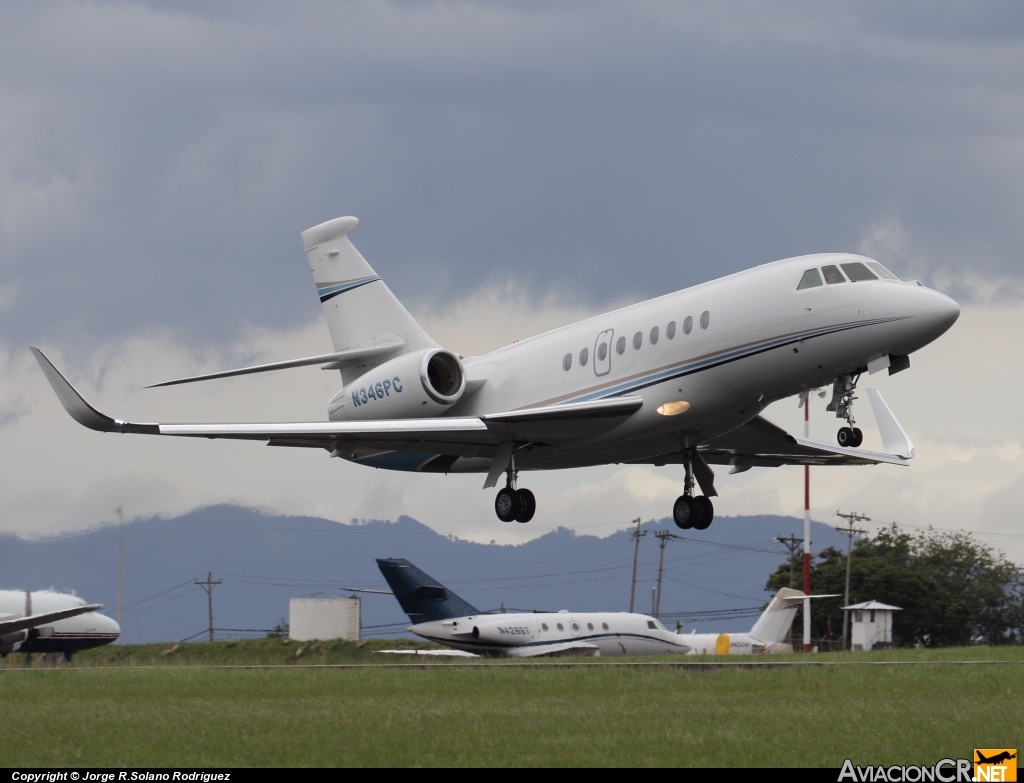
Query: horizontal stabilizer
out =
(13, 624)
(330, 361)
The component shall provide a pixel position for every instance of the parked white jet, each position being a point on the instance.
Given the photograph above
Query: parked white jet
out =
(766, 636)
(49, 622)
(679, 379)
(441, 616)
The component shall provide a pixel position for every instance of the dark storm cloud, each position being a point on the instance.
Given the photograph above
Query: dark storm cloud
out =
(158, 161)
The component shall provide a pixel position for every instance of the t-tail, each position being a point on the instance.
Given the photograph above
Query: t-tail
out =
(366, 320)
(422, 597)
(774, 623)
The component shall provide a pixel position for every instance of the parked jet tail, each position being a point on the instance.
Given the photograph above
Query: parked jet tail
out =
(422, 597)
(774, 623)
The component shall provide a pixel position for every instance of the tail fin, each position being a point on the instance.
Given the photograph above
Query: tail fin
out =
(774, 623)
(422, 598)
(360, 309)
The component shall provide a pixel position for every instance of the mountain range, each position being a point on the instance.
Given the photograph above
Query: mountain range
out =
(258, 562)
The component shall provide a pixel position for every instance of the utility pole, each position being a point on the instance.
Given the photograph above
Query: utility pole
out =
(663, 538)
(208, 586)
(120, 571)
(636, 535)
(805, 400)
(849, 531)
(792, 543)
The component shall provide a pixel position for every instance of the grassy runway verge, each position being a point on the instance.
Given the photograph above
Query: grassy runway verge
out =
(499, 715)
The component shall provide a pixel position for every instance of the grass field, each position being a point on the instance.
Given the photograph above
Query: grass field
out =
(178, 710)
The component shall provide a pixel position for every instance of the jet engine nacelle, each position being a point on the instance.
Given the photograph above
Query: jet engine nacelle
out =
(502, 631)
(415, 385)
(12, 641)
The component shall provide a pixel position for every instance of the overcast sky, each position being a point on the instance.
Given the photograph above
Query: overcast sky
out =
(514, 166)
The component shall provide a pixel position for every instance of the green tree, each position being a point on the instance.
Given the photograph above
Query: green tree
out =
(952, 590)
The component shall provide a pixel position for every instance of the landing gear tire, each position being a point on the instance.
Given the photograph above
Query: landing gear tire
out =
(706, 513)
(858, 438)
(526, 505)
(684, 512)
(845, 437)
(506, 504)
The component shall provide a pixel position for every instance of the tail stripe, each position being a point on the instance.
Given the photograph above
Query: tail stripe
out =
(331, 290)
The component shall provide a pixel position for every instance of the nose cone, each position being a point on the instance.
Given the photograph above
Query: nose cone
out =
(917, 315)
(105, 627)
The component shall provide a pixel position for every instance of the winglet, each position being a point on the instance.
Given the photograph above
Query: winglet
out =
(80, 410)
(894, 438)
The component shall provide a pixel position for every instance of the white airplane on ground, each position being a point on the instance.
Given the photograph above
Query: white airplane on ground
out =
(437, 614)
(679, 379)
(765, 637)
(48, 622)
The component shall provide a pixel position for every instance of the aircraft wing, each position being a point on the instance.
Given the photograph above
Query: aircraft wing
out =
(555, 648)
(466, 435)
(759, 443)
(10, 624)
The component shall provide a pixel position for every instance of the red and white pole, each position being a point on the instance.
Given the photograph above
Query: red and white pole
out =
(807, 530)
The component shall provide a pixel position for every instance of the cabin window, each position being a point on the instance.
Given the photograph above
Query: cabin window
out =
(688, 324)
(561, 627)
(620, 346)
(654, 336)
(811, 279)
(857, 272)
(590, 626)
(602, 351)
(604, 626)
(881, 271)
(543, 626)
(638, 340)
(575, 628)
(832, 275)
(670, 330)
(705, 319)
(584, 355)
(567, 362)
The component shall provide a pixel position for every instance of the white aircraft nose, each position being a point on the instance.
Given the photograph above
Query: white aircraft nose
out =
(106, 624)
(918, 314)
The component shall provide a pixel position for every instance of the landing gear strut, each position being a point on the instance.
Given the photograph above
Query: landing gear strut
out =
(842, 403)
(512, 503)
(689, 511)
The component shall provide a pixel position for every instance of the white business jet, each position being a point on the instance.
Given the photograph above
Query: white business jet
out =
(438, 615)
(679, 379)
(47, 622)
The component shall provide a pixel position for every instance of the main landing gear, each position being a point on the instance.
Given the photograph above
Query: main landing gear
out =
(689, 511)
(513, 503)
(842, 403)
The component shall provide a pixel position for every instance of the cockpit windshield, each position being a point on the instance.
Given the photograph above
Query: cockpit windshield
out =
(882, 272)
(855, 272)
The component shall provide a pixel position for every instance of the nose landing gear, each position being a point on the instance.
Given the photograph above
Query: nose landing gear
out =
(842, 403)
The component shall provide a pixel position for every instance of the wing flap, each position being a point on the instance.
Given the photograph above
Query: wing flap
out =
(568, 421)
